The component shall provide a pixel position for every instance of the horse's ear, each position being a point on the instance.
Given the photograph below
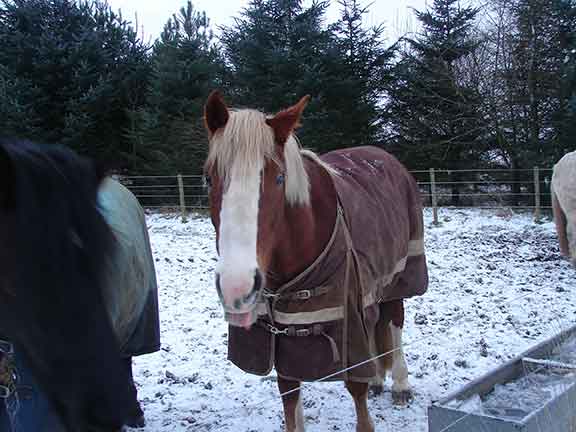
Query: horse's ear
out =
(7, 180)
(215, 112)
(286, 121)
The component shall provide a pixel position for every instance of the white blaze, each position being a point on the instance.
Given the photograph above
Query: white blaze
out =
(238, 236)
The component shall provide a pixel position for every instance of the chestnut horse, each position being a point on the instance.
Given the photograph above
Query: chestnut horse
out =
(315, 255)
(564, 204)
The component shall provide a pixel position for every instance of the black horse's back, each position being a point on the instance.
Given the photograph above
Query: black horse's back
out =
(53, 244)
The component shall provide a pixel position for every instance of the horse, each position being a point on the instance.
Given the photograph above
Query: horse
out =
(564, 204)
(78, 295)
(315, 256)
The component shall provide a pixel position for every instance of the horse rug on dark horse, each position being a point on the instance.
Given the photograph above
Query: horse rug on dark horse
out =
(131, 297)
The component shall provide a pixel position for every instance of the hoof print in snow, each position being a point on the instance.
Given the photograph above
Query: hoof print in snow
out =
(420, 319)
(461, 363)
(560, 289)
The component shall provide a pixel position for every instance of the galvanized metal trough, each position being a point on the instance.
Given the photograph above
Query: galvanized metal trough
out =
(535, 392)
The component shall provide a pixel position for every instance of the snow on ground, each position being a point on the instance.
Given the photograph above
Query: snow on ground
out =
(497, 287)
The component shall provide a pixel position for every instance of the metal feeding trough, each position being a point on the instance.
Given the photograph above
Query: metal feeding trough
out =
(535, 392)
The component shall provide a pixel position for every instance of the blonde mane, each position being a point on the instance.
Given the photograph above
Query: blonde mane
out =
(245, 143)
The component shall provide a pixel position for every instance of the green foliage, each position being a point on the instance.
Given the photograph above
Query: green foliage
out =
(534, 73)
(280, 50)
(435, 116)
(359, 72)
(167, 135)
(565, 117)
(73, 68)
(277, 51)
(459, 94)
(17, 110)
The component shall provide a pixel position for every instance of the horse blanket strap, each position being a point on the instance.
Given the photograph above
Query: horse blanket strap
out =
(301, 294)
(7, 370)
(375, 255)
(315, 330)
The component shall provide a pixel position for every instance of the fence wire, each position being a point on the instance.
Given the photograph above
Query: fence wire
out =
(526, 189)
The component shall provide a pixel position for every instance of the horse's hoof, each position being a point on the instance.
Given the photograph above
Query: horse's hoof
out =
(402, 398)
(365, 427)
(376, 389)
(136, 422)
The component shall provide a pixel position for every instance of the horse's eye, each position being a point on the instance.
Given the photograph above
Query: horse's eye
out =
(208, 180)
(280, 179)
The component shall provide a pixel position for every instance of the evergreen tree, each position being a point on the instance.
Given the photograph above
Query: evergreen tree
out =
(533, 69)
(564, 119)
(17, 112)
(435, 118)
(539, 59)
(279, 51)
(358, 76)
(73, 68)
(167, 135)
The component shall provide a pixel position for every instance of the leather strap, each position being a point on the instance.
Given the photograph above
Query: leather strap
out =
(292, 331)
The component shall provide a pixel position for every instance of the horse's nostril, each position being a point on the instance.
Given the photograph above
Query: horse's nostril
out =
(237, 303)
(257, 280)
(218, 287)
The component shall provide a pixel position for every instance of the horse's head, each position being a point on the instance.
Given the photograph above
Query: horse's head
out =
(53, 245)
(254, 170)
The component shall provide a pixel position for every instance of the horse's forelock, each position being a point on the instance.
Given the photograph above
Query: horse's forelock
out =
(245, 144)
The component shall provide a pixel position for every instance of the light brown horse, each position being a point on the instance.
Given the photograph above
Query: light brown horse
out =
(315, 255)
(564, 204)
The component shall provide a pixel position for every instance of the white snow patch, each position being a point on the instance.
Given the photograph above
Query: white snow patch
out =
(471, 320)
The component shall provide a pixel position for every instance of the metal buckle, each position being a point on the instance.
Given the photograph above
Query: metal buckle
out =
(5, 392)
(276, 331)
(303, 295)
(303, 332)
(8, 375)
(6, 347)
(268, 294)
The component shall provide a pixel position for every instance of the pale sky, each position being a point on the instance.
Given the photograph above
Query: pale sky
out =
(153, 14)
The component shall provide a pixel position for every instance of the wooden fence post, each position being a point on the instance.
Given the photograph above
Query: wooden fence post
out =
(182, 201)
(536, 195)
(433, 196)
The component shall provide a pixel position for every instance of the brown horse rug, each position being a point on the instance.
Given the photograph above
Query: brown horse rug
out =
(323, 321)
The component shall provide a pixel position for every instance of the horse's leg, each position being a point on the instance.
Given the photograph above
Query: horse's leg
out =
(135, 414)
(383, 345)
(561, 224)
(293, 415)
(359, 392)
(401, 392)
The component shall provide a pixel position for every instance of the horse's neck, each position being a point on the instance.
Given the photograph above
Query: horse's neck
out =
(305, 231)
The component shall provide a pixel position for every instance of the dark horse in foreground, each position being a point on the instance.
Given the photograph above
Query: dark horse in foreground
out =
(316, 255)
(78, 294)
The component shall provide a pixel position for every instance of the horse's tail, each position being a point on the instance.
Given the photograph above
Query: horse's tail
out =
(384, 341)
(561, 225)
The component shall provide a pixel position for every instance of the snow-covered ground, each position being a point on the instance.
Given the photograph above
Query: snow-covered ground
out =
(497, 287)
